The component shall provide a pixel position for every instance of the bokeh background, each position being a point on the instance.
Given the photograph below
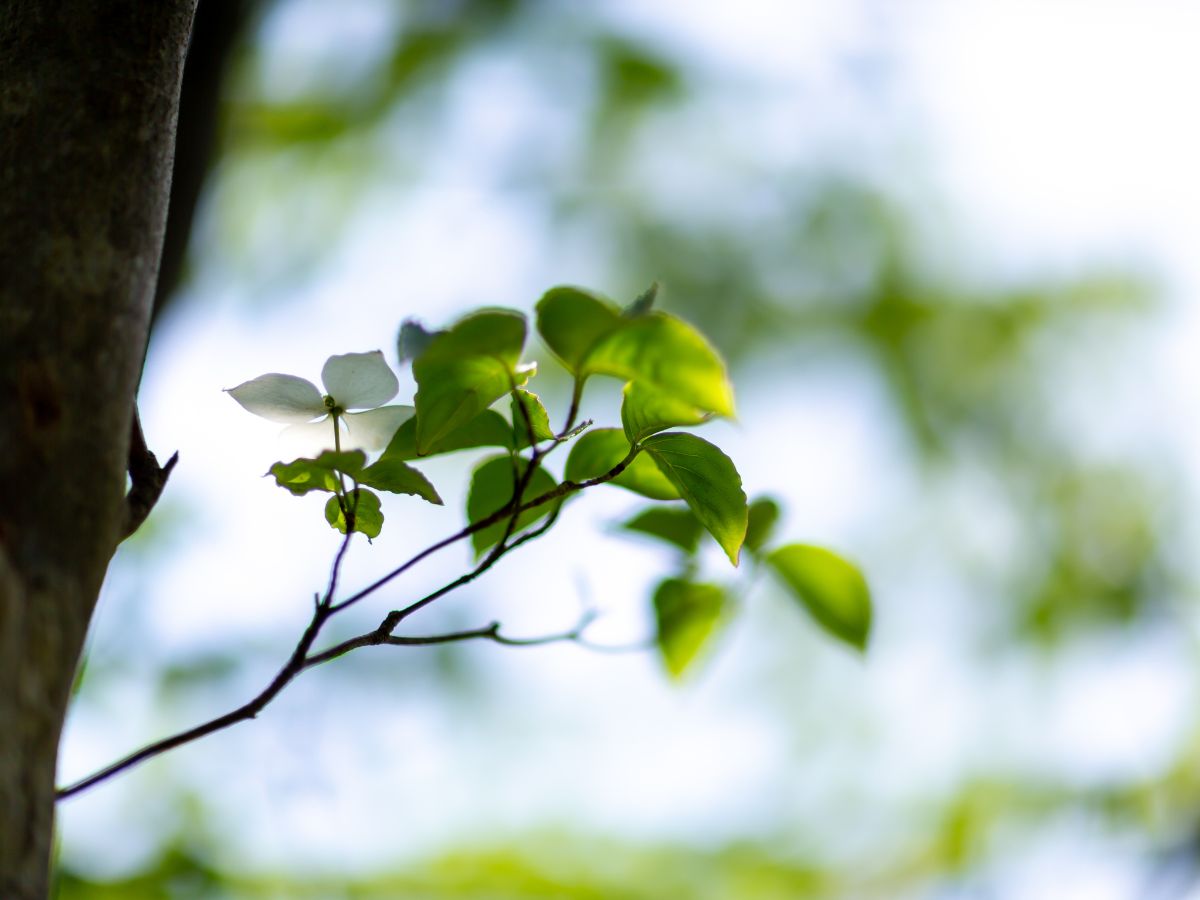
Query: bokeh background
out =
(950, 251)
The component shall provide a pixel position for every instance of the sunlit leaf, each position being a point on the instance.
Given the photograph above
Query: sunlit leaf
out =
(763, 514)
(397, 477)
(533, 419)
(646, 411)
(687, 615)
(492, 486)
(488, 429)
(465, 370)
(675, 525)
(831, 588)
(707, 479)
(320, 474)
(571, 321)
(368, 517)
(664, 353)
(599, 451)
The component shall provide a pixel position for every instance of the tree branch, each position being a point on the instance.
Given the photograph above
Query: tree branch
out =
(147, 476)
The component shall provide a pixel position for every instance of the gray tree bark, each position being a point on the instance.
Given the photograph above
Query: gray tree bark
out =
(88, 99)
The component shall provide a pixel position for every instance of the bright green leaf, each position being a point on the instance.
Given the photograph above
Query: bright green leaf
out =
(465, 370)
(707, 479)
(492, 486)
(488, 429)
(601, 449)
(687, 614)
(764, 513)
(664, 353)
(368, 517)
(831, 588)
(534, 418)
(303, 475)
(678, 526)
(571, 321)
(646, 411)
(397, 477)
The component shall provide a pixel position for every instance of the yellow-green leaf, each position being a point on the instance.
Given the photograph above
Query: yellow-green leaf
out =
(571, 321)
(831, 588)
(687, 614)
(707, 479)
(667, 354)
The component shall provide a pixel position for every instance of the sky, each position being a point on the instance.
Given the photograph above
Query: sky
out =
(1031, 138)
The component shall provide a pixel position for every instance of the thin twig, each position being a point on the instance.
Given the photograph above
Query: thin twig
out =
(325, 608)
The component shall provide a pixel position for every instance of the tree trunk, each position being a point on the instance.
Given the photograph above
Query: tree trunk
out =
(88, 99)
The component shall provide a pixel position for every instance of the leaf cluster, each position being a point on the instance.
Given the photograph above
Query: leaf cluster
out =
(674, 381)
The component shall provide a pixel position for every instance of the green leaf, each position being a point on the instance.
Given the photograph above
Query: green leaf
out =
(571, 321)
(492, 486)
(667, 354)
(707, 479)
(643, 304)
(397, 477)
(687, 614)
(368, 517)
(646, 411)
(534, 417)
(831, 588)
(598, 451)
(488, 429)
(465, 370)
(764, 513)
(671, 524)
(303, 475)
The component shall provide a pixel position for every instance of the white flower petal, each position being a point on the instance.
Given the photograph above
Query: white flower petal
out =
(359, 380)
(280, 398)
(308, 439)
(373, 429)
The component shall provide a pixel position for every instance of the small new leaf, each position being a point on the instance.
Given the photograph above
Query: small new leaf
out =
(687, 614)
(492, 487)
(600, 450)
(534, 419)
(831, 588)
(707, 479)
(367, 515)
(643, 304)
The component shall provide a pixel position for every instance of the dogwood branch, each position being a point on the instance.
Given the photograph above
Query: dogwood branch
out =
(325, 608)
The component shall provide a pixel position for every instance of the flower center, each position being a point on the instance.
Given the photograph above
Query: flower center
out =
(332, 406)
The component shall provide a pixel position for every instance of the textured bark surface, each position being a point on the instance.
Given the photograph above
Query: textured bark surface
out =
(88, 99)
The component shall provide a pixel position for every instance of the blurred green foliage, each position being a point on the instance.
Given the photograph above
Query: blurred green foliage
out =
(811, 263)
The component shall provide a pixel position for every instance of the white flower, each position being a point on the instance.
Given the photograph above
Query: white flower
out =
(352, 381)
